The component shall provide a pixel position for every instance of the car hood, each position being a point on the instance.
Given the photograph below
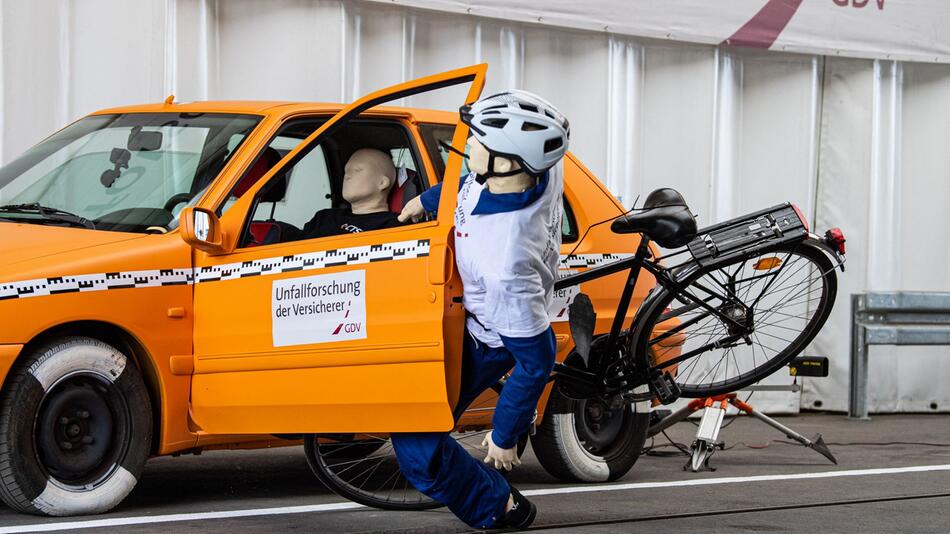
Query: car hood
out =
(21, 242)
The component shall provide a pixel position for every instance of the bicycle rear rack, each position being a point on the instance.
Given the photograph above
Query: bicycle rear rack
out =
(748, 234)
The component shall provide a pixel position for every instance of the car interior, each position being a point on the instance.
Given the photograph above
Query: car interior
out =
(314, 181)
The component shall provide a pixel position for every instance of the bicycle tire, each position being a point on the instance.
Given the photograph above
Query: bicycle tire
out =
(323, 451)
(663, 308)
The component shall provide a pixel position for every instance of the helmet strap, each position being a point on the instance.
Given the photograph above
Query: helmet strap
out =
(490, 173)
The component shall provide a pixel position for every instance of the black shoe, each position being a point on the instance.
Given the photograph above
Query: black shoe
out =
(521, 515)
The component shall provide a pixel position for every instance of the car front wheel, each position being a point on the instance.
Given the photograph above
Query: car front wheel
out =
(75, 429)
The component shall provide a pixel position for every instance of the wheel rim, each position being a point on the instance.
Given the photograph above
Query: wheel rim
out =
(374, 479)
(775, 300)
(602, 425)
(81, 430)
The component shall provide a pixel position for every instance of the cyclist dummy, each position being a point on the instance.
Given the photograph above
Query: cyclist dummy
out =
(368, 176)
(508, 237)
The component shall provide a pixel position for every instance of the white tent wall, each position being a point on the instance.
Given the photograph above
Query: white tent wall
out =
(857, 143)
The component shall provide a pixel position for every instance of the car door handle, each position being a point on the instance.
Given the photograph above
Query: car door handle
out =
(441, 264)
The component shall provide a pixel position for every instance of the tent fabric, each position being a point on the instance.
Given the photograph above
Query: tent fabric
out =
(910, 30)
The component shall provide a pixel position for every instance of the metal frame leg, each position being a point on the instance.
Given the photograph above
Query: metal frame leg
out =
(817, 445)
(858, 388)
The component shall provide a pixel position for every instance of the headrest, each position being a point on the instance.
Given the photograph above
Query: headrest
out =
(403, 189)
(264, 233)
(268, 158)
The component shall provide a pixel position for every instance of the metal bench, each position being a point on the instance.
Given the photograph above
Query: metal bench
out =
(892, 318)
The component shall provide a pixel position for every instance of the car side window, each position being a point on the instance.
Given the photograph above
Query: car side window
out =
(568, 223)
(305, 200)
(434, 135)
(306, 188)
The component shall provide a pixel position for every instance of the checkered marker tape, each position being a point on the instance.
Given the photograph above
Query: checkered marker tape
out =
(95, 282)
(575, 261)
(403, 250)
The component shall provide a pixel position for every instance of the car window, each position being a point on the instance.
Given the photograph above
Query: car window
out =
(307, 188)
(402, 157)
(313, 184)
(125, 172)
(568, 223)
(433, 135)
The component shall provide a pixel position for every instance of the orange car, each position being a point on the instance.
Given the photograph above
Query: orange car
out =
(152, 302)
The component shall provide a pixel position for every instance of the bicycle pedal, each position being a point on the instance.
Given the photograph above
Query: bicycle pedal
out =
(664, 388)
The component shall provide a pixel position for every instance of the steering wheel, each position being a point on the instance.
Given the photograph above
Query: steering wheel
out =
(175, 200)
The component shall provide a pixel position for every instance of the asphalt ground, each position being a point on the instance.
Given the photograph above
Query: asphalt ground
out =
(893, 475)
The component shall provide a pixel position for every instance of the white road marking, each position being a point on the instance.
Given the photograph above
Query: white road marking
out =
(170, 518)
(741, 480)
(286, 510)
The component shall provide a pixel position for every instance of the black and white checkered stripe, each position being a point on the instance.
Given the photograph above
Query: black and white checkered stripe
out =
(94, 282)
(402, 250)
(575, 261)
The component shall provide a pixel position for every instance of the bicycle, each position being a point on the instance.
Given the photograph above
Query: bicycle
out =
(760, 276)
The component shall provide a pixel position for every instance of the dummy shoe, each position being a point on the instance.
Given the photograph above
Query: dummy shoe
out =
(521, 514)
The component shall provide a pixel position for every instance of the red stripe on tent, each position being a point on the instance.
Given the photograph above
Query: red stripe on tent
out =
(764, 28)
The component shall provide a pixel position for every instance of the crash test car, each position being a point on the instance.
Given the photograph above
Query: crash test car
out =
(155, 299)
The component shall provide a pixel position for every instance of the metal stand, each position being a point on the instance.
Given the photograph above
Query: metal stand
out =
(707, 435)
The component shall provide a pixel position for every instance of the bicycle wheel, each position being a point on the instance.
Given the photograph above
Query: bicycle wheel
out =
(363, 468)
(732, 325)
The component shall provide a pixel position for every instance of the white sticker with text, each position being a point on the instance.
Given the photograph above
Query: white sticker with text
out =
(319, 309)
(561, 299)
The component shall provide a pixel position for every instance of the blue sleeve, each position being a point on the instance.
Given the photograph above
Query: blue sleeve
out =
(534, 360)
(430, 197)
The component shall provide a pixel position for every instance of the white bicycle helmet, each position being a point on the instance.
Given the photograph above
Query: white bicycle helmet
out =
(520, 126)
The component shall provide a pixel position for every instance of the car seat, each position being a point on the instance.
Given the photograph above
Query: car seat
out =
(269, 231)
(405, 189)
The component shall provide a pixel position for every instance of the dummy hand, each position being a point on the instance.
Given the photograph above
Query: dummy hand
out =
(500, 458)
(412, 210)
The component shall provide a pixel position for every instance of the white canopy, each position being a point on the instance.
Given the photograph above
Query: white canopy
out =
(909, 30)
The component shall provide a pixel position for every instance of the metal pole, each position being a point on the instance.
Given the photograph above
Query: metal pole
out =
(858, 396)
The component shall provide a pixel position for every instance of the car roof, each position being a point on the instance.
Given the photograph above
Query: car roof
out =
(277, 109)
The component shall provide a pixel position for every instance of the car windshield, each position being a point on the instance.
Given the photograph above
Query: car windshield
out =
(125, 172)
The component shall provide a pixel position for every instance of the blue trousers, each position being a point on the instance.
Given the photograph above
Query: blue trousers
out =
(441, 468)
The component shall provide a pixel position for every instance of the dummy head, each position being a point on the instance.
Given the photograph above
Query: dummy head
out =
(478, 159)
(478, 163)
(368, 176)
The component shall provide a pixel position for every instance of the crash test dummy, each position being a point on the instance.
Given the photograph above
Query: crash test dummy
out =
(368, 177)
(507, 242)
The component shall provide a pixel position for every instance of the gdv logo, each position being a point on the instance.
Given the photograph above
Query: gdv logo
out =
(349, 328)
(858, 3)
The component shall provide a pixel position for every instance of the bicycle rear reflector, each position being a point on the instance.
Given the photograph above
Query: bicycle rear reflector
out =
(835, 239)
(801, 216)
(766, 264)
(809, 366)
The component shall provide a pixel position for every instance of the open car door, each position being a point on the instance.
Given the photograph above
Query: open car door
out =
(352, 333)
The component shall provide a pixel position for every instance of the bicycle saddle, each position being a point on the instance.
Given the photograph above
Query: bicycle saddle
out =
(665, 219)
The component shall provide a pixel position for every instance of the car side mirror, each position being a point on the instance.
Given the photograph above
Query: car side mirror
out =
(201, 229)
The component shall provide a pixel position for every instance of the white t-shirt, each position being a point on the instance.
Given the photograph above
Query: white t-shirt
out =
(507, 248)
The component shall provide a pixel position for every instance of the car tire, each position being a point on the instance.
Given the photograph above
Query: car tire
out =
(569, 449)
(75, 429)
